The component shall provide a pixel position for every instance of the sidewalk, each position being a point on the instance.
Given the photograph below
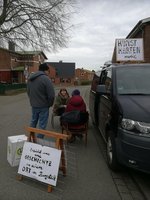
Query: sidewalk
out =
(88, 175)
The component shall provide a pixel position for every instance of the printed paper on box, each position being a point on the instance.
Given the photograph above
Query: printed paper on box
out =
(14, 149)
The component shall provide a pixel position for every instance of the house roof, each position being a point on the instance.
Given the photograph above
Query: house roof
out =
(32, 53)
(9, 50)
(85, 70)
(138, 27)
(25, 52)
(63, 69)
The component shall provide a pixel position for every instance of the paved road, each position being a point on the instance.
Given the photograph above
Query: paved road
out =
(88, 176)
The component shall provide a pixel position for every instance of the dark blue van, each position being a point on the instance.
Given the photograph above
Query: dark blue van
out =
(120, 106)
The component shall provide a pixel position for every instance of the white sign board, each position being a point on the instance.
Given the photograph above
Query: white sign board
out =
(129, 49)
(40, 162)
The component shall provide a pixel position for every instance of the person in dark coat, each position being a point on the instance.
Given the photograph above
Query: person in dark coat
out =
(41, 94)
(76, 102)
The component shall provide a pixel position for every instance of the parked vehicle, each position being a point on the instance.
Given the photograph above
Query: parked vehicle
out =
(93, 98)
(120, 107)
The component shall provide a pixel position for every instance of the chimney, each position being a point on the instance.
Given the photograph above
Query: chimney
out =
(11, 46)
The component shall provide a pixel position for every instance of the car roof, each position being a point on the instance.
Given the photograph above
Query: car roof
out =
(116, 65)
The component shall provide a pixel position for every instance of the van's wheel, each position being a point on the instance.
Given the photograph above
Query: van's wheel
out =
(111, 152)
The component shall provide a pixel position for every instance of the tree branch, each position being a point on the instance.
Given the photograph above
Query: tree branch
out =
(36, 23)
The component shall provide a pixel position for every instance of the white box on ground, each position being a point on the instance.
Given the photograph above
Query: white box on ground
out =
(14, 149)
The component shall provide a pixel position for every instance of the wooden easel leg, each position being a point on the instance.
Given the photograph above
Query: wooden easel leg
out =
(65, 132)
(49, 189)
(19, 177)
(52, 120)
(63, 161)
(32, 137)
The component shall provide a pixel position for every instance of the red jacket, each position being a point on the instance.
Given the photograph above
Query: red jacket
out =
(76, 102)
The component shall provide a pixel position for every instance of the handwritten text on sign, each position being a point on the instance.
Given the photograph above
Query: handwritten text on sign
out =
(129, 49)
(40, 162)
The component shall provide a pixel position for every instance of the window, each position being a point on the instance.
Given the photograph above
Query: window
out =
(95, 82)
(106, 79)
(133, 80)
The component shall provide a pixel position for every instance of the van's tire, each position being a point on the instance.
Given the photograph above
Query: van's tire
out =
(111, 152)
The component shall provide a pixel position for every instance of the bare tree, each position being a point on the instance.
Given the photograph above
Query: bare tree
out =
(43, 24)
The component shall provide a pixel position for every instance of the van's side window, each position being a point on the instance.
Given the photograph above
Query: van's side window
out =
(106, 79)
(94, 82)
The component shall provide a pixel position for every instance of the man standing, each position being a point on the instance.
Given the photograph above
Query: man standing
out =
(41, 95)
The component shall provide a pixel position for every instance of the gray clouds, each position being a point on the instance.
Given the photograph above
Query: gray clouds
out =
(97, 24)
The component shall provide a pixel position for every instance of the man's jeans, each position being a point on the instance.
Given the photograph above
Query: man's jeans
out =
(40, 117)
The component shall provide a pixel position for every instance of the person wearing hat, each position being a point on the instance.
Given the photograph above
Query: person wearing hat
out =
(41, 95)
(76, 102)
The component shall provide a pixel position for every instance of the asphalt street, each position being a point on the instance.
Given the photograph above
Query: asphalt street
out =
(88, 177)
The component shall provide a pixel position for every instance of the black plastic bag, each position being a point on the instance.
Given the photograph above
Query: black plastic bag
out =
(74, 117)
(60, 111)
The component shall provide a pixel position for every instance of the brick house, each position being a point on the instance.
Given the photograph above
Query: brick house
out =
(141, 30)
(65, 72)
(52, 73)
(15, 66)
(83, 75)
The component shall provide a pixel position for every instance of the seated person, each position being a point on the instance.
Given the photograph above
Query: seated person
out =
(60, 102)
(75, 103)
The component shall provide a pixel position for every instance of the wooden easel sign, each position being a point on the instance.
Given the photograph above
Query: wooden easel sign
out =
(40, 163)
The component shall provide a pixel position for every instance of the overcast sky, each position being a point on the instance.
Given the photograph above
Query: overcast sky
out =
(97, 25)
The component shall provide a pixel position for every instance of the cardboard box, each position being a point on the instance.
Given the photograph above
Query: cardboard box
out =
(14, 149)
